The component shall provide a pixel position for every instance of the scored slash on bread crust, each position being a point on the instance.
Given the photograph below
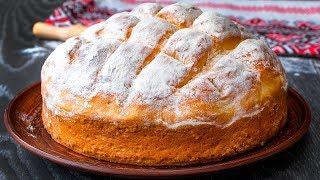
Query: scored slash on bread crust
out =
(176, 71)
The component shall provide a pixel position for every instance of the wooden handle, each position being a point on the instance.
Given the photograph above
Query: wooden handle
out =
(43, 30)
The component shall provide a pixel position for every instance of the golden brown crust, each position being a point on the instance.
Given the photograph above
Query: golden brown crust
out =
(146, 90)
(136, 143)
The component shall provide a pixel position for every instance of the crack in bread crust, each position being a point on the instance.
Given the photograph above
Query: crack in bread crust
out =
(175, 70)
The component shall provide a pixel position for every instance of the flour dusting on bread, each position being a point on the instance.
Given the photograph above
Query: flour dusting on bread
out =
(170, 61)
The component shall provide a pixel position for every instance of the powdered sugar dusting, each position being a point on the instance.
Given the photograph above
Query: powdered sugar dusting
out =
(121, 68)
(216, 25)
(228, 80)
(191, 122)
(180, 14)
(117, 26)
(63, 74)
(91, 58)
(114, 58)
(157, 79)
(90, 33)
(187, 45)
(257, 53)
(146, 10)
(151, 30)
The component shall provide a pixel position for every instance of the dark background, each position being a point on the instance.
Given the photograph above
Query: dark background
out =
(18, 69)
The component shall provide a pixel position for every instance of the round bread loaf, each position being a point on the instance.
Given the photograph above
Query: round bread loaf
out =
(163, 86)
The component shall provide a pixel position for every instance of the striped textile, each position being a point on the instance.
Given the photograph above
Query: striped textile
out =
(291, 28)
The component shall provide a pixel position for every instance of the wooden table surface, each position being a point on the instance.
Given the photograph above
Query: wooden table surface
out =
(20, 66)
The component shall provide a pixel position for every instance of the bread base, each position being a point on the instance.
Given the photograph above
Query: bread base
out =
(156, 144)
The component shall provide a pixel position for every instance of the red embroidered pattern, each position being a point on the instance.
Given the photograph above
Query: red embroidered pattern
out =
(301, 38)
(297, 39)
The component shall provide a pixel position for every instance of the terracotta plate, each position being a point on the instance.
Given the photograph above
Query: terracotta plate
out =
(23, 121)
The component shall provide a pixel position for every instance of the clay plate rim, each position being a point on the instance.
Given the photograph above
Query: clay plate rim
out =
(147, 171)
